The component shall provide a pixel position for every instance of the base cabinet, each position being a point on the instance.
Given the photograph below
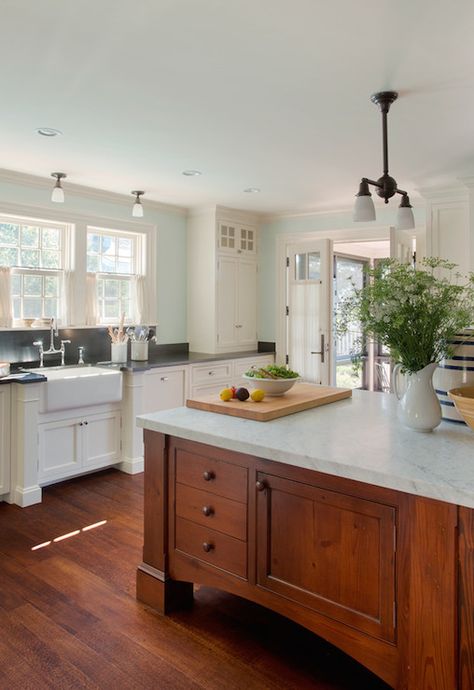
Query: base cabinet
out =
(4, 440)
(77, 444)
(385, 576)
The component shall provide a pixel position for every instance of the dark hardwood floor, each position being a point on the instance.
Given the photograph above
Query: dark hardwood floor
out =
(69, 617)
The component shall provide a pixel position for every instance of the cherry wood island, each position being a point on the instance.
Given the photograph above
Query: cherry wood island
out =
(386, 575)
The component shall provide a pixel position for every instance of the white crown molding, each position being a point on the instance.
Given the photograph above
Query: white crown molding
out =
(25, 179)
(444, 193)
(226, 213)
(270, 217)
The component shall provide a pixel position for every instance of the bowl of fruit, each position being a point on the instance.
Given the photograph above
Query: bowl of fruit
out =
(273, 379)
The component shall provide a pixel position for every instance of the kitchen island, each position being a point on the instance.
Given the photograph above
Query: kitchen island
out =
(337, 517)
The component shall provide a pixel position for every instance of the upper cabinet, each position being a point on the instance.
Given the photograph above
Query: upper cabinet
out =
(235, 238)
(222, 281)
(450, 224)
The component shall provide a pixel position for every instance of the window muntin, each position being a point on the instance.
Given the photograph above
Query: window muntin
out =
(34, 250)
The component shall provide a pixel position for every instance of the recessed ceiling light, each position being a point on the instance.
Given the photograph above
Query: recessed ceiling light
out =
(252, 190)
(48, 132)
(192, 173)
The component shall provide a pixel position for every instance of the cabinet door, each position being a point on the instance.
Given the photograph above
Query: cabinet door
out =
(247, 240)
(60, 449)
(227, 281)
(101, 440)
(163, 389)
(329, 552)
(4, 440)
(227, 240)
(247, 303)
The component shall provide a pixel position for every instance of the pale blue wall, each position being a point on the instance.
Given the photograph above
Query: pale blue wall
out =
(171, 246)
(298, 224)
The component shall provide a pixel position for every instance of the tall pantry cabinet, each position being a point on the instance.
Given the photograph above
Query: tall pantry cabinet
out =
(222, 280)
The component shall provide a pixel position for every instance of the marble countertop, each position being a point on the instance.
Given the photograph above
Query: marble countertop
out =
(359, 438)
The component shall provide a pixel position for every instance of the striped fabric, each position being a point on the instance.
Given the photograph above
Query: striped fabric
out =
(455, 372)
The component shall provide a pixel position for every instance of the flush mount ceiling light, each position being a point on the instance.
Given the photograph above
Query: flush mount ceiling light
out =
(252, 190)
(58, 193)
(137, 210)
(385, 186)
(48, 132)
(192, 173)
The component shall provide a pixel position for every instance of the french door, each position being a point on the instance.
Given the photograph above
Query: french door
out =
(309, 309)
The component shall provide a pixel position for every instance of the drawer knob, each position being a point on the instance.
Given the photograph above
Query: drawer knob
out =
(211, 373)
(207, 546)
(261, 486)
(207, 511)
(208, 475)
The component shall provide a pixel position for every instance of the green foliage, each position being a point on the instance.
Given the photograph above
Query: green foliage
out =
(413, 312)
(281, 372)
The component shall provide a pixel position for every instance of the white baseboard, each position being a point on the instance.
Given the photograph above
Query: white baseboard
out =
(26, 497)
(131, 465)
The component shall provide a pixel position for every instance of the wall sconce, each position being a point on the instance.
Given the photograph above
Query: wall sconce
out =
(58, 193)
(385, 186)
(137, 210)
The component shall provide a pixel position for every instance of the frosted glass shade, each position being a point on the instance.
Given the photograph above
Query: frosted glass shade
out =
(405, 218)
(137, 210)
(58, 195)
(364, 209)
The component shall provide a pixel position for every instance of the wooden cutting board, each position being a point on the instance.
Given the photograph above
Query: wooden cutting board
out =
(301, 397)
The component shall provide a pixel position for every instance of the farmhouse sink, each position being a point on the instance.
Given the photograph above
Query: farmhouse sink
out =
(70, 387)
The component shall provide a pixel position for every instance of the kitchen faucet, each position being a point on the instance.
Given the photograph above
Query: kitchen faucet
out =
(52, 350)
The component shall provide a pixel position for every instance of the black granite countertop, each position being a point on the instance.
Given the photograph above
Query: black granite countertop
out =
(22, 377)
(171, 359)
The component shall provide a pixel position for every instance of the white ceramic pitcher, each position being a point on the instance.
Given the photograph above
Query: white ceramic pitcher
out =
(419, 407)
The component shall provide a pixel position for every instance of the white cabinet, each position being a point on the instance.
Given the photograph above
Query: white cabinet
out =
(222, 281)
(207, 379)
(71, 445)
(163, 389)
(4, 440)
(236, 238)
(236, 303)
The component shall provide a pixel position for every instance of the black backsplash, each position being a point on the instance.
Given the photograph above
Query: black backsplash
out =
(17, 346)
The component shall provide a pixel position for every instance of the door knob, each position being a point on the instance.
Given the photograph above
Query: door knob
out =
(321, 352)
(261, 486)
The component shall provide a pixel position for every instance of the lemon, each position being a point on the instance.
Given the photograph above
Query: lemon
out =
(226, 394)
(257, 395)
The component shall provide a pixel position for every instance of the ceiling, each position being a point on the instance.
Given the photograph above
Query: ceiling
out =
(268, 93)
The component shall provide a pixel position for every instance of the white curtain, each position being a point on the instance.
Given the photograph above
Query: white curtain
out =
(91, 300)
(142, 310)
(6, 315)
(67, 299)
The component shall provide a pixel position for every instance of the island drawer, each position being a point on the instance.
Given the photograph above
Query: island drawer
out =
(211, 475)
(220, 550)
(208, 509)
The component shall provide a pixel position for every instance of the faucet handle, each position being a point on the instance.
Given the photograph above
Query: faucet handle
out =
(38, 343)
(80, 351)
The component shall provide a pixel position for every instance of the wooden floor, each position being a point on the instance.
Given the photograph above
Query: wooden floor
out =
(69, 617)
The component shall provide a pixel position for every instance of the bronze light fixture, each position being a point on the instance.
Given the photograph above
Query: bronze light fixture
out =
(57, 195)
(386, 186)
(137, 209)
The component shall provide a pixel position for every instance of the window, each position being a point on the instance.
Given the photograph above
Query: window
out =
(34, 251)
(116, 259)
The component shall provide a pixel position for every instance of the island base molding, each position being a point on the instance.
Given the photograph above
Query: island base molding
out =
(385, 576)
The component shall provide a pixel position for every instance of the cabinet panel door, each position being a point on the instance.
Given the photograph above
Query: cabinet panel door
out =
(101, 439)
(227, 281)
(330, 552)
(247, 303)
(60, 449)
(163, 390)
(4, 440)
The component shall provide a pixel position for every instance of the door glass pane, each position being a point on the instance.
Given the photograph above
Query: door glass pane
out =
(314, 266)
(349, 276)
(300, 266)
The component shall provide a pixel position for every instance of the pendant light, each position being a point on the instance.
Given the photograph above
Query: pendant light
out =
(385, 186)
(137, 210)
(58, 193)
